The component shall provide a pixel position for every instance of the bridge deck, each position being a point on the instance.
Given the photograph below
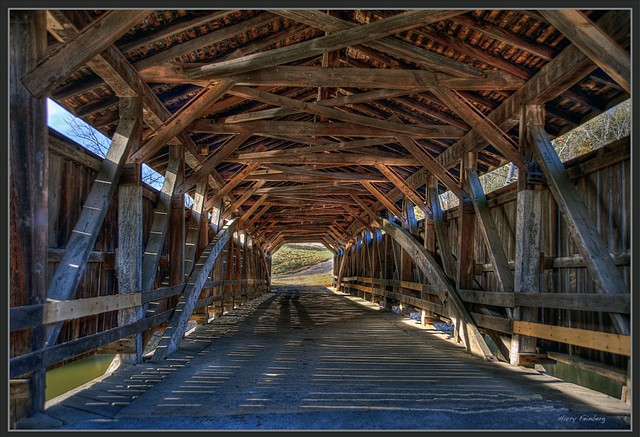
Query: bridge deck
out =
(309, 358)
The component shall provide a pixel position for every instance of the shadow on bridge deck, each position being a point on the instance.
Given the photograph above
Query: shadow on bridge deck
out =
(310, 358)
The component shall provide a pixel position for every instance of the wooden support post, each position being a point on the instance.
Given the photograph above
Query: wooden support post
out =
(465, 325)
(71, 268)
(177, 227)
(429, 225)
(466, 233)
(29, 173)
(129, 253)
(601, 267)
(193, 231)
(177, 325)
(528, 236)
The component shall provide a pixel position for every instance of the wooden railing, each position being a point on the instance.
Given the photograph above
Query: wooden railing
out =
(25, 317)
(613, 343)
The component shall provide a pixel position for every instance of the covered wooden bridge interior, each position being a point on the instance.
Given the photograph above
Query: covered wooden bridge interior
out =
(329, 126)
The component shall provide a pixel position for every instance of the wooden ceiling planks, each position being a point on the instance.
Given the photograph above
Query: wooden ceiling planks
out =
(316, 133)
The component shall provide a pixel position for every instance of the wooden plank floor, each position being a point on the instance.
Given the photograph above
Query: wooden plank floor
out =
(309, 358)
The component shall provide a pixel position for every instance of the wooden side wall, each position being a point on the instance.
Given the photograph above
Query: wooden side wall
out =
(602, 178)
(72, 170)
(606, 192)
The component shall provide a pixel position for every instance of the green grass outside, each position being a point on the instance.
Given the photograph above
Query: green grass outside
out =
(294, 258)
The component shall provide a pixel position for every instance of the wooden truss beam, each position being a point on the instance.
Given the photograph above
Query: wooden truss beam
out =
(193, 231)
(213, 160)
(433, 166)
(116, 70)
(586, 237)
(402, 186)
(464, 110)
(178, 323)
(335, 41)
(388, 44)
(325, 147)
(319, 129)
(151, 255)
(311, 77)
(382, 199)
(93, 39)
(565, 70)
(336, 114)
(594, 42)
(238, 203)
(233, 182)
(181, 120)
(489, 231)
(70, 270)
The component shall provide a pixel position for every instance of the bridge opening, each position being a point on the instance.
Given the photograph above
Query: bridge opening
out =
(370, 132)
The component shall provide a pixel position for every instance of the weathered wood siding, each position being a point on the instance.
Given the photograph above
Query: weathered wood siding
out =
(72, 170)
(606, 193)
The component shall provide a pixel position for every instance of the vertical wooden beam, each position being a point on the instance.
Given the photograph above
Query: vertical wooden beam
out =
(29, 165)
(343, 264)
(585, 235)
(177, 325)
(466, 233)
(129, 253)
(193, 231)
(528, 236)
(71, 268)
(177, 226)
(429, 226)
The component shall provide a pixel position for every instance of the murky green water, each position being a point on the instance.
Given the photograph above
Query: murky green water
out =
(68, 377)
(585, 378)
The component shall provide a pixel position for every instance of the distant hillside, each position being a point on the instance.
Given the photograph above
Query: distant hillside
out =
(293, 258)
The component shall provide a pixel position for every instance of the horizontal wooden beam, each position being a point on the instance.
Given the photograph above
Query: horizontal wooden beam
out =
(567, 301)
(336, 114)
(318, 129)
(602, 341)
(614, 373)
(311, 77)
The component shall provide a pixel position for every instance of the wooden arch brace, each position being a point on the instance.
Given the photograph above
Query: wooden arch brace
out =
(473, 340)
(177, 325)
